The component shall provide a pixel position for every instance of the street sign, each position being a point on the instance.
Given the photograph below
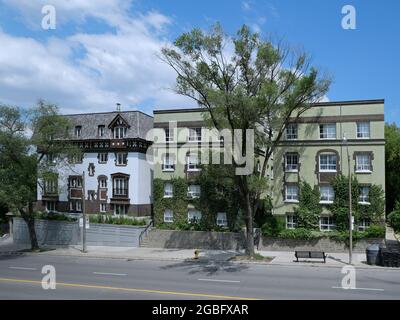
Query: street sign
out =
(81, 223)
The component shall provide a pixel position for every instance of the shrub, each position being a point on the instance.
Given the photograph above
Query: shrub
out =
(299, 233)
(55, 216)
(309, 208)
(273, 226)
(394, 218)
(118, 220)
(375, 231)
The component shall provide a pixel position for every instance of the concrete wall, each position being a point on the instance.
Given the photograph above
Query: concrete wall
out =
(62, 233)
(50, 233)
(195, 240)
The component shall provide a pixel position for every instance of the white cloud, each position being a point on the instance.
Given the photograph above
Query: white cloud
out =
(119, 66)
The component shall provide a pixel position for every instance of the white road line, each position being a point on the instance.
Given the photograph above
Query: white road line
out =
(367, 289)
(22, 268)
(110, 274)
(216, 280)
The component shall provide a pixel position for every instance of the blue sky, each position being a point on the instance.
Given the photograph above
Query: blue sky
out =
(104, 51)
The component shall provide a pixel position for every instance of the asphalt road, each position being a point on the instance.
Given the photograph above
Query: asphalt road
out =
(89, 278)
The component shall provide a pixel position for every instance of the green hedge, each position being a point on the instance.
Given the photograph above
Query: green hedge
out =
(54, 216)
(122, 220)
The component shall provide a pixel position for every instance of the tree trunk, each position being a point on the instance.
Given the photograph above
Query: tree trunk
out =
(249, 228)
(30, 222)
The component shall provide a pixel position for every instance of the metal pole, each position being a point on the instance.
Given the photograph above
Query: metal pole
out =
(83, 214)
(350, 213)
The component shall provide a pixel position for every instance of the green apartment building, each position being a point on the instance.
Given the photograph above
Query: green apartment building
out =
(316, 148)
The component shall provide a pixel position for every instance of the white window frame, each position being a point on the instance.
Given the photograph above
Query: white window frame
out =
(103, 157)
(76, 182)
(327, 131)
(169, 135)
(103, 183)
(168, 216)
(330, 194)
(290, 196)
(292, 131)
(123, 208)
(50, 206)
(291, 221)
(363, 130)
(329, 165)
(194, 191)
(101, 130)
(78, 205)
(120, 185)
(103, 207)
(119, 132)
(222, 219)
(364, 198)
(194, 214)
(328, 225)
(364, 224)
(195, 134)
(192, 165)
(78, 131)
(121, 158)
(363, 166)
(168, 190)
(291, 167)
(168, 163)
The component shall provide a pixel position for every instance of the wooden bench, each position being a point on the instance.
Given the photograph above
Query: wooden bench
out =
(310, 255)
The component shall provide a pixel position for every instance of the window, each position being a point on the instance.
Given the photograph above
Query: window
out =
(291, 221)
(78, 131)
(101, 131)
(327, 131)
(103, 157)
(121, 159)
(91, 169)
(120, 209)
(103, 207)
(193, 191)
(78, 205)
(168, 190)
(193, 162)
(50, 186)
(364, 195)
(168, 216)
(50, 206)
(78, 158)
(194, 216)
(327, 162)
(103, 183)
(291, 131)
(120, 187)
(327, 194)
(363, 163)
(363, 130)
(326, 224)
(51, 159)
(169, 135)
(222, 221)
(292, 162)
(168, 163)
(292, 193)
(258, 166)
(76, 182)
(194, 134)
(119, 132)
(363, 224)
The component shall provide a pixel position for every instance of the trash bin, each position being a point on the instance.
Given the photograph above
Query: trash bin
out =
(373, 254)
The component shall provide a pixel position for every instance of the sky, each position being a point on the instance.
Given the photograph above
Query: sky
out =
(105, 51)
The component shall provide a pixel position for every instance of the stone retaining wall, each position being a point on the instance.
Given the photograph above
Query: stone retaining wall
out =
(235, 241)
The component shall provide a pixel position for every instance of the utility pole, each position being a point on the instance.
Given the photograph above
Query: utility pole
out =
(350, 205)
(83, 214)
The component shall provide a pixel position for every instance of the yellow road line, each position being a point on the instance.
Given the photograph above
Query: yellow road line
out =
(89, 286)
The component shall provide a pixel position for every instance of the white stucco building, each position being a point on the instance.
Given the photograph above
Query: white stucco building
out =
(117, 177)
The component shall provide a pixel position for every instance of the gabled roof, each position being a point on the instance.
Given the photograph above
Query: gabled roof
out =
(118, 120)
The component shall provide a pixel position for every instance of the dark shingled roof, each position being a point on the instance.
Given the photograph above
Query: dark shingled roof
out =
(140, 123)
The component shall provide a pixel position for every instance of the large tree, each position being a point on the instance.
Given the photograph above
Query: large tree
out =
(247, 83)
(392, 156)
(26, 137)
